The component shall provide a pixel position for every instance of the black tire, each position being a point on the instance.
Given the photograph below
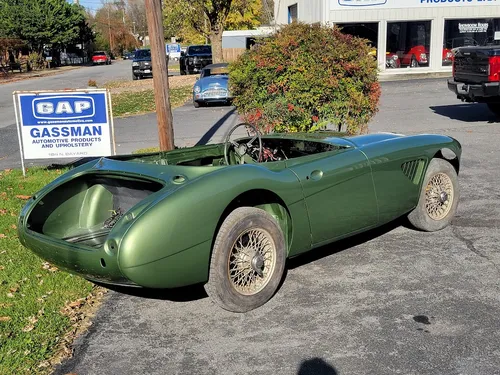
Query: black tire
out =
(134, 77)
(414, 62)
(494, 107)
(420, 217)
(196, 105)
(220, 287)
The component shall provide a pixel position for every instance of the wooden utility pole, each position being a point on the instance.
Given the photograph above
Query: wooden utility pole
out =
(160, 74)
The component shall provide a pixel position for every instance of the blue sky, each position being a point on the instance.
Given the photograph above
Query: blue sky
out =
(92, 4)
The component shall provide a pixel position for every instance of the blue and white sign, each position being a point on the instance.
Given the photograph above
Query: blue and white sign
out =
(393, 4)
(64, 124)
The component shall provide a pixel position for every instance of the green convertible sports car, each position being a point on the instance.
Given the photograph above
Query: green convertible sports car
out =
(229, 215)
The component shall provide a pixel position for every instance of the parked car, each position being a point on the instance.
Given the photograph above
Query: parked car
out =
(128, 55)
(141, 64)
(419, 56)
(195, 58)
(101, 57)
(229, 215)
(415, 57)
(212, 87)
(476, 76)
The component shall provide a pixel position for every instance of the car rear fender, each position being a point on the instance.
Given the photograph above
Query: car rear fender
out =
(188, 218)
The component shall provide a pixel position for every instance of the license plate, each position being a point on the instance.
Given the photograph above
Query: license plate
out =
(147, 71)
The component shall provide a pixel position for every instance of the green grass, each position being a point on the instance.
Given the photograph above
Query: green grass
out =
(134, 103)
(146, 150)
(32, 292)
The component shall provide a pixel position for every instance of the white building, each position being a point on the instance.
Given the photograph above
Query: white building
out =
(421, 33)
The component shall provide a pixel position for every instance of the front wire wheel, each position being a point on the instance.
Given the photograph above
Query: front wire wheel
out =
(438, 199)
(439, 196)
(248, 260)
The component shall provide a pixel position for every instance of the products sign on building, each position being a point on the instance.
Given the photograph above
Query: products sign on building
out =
(339, 4)
(63, 124)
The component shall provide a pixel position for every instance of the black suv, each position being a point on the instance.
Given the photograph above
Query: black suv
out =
(195, 59)
(141, 64)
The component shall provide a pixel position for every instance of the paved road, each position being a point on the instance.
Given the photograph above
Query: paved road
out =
(395, 301)
(131, 133)
(73, 79)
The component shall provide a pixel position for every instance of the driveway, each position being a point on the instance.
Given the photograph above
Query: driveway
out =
(394, 301)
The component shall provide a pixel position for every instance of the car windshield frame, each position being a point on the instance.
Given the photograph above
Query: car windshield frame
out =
(142, 53)
(220, 71)
(99, 53)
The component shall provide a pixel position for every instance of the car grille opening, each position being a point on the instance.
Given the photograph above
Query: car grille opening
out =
(85, 209)
(215, 92)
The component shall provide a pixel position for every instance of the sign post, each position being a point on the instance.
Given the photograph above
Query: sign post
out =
(64, 124)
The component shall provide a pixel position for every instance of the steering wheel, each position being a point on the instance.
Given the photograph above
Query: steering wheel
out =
(243, 148)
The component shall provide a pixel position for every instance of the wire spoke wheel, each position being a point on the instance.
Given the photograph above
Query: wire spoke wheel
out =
(251, 262)
(439, 195)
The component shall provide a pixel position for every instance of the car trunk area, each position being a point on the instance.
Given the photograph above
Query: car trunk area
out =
(85, 209)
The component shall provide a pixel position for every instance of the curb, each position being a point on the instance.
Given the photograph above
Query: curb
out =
(407, 76)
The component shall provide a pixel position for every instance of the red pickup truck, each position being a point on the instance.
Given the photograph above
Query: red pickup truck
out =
(476, 76)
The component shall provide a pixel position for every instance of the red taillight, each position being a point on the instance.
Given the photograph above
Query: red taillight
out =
(494, 69)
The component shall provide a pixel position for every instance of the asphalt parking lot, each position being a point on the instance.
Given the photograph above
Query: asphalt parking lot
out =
(393, 301)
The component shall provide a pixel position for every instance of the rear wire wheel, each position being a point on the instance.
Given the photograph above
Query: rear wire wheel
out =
(438, 199)
(248, 260)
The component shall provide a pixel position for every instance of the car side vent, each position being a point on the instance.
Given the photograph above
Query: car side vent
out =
(413, 170)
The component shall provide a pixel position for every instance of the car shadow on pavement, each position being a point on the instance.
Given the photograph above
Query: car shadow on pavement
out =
(344, 244)
(466, 112)
(316, 366)
(182, 294)
(213, 129)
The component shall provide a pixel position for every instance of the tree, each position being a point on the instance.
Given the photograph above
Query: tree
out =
(136, 14)
(44, 22)
(113, 28)
(209, 18)
(304, 78)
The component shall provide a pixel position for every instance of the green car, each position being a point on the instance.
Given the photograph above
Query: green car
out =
(229, 215)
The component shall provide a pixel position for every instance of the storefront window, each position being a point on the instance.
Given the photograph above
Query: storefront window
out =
(292, 13)
(363, 30)
(408, 44)
(468, 32)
